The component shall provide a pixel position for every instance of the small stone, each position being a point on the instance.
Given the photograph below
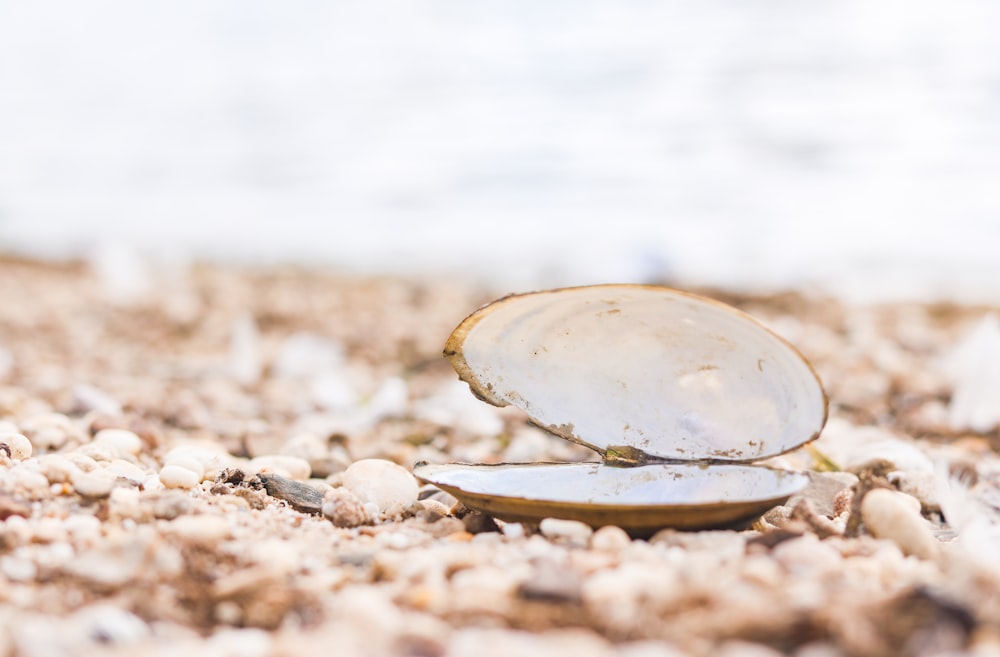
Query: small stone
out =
(822, 490)
(572, 531)
(479, 523)
(301, 497)
(344, 508)
(122, 469)
(175, 476)
(94, 484)
(15, 445)
(18, 569)
(200, 530)
(187, 462)
(390, 487)
(28, 482)
(891, 515)
(125, 503)
(291, 467)
(610, 539)
(50, 431)
(922, 486)
(125, 441)
(101, 452)
(172, 505)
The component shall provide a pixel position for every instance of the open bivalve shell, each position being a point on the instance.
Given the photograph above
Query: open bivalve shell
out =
(678, 394)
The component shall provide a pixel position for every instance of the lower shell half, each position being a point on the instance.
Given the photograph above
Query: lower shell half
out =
(640, 500)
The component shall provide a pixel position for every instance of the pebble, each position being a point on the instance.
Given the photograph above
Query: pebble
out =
(292, 467)
(891, 515)
(923, 486)
(822, 490)
(200, 529)
(610, 539)
(30, 482)
(96, 483)
(123, 469)
(18, 444)
(18, 568)
(344, 508)
(390, 487)
(125, 441)
(125, 503)
(571, 531)
(188, 462)
(175, 476)
(100, 452)
(807, 556)
(50, 431)
(301, 497)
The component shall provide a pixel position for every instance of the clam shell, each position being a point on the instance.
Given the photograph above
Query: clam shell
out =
(639, 499)
(642, 373)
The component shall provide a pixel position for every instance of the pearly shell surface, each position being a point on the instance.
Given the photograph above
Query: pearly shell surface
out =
(645, 370)
(640, 499)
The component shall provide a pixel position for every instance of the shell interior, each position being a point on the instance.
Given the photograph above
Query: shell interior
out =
(644, 370)
(639, 499)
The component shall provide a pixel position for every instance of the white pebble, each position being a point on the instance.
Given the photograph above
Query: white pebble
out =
(610, 539)
(891, 515)
(375, 481)
(29, 481)
(121, 468)
(124, 503)
(19, 445)
(123, 440)
(18, 569)
(202, 530)
(100, 451)
(573, 531)
(57, 468)
(212, 459)
(175, 476)
(187, 462)
(81, 461)
(50, 430)
(292, 467)
(513, 530)
(97, 483)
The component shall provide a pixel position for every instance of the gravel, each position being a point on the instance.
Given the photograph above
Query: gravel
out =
(235, 479)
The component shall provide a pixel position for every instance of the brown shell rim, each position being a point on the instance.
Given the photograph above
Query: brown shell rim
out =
(454, 353)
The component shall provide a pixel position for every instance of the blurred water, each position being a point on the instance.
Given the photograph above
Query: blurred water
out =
(848, 144)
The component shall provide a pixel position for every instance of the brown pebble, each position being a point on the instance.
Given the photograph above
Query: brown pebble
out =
(301, 497)
(344, 509)
(478, 523)
(171, 505)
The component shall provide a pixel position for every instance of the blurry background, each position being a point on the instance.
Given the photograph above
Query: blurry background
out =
(849, 145)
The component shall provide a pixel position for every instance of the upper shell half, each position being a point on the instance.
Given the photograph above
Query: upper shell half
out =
(642, 369)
